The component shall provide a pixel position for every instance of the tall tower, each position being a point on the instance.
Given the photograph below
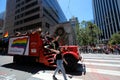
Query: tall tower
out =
(107, 16)
(24, 15)
(74, 23)
(1, 23)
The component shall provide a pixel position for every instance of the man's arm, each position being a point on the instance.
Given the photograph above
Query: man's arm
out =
(53, 50)
(56, 51)
(65, 61)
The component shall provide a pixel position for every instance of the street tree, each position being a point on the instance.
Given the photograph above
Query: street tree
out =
(82, 36)
(115, 39)
(87, 33)
(94, 32)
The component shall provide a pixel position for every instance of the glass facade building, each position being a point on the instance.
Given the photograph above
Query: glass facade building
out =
(107, 16)
(24, 15)
(52, 8)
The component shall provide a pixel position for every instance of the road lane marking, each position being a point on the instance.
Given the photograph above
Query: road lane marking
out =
(118, 61)
(105, 58)
(48, 76)
(102, 64)
(102, 71)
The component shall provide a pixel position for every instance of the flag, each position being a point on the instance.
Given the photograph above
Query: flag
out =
(6, 34)
(19, 42)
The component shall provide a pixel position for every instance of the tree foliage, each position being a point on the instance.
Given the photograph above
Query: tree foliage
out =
(93, 31)
(87, 33)
(115, 39)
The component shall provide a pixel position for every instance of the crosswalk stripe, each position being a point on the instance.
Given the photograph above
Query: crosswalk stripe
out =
(100, 61)
(118, 61)
(48, 76)
(102, 71)
(105, 58)
(103, 64)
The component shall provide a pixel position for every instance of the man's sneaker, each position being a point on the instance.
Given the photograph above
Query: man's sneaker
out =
(70, 76)
(54, 78)
(59, 72)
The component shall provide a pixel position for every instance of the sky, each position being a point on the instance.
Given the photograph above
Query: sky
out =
(2, 5)
(77, 8)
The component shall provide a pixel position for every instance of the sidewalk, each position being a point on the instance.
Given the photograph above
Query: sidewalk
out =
(48, 76)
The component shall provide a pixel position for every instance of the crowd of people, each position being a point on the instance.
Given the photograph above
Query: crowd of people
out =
(101, 48)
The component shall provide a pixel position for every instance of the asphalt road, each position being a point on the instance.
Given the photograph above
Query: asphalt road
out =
(102, 66)
(36, 71)
(8, 69)
(97, 66)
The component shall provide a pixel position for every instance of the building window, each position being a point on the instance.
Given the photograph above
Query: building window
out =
(22, 9)
(21, 21)
(17, 11)
(31, 5)
(33, 26)
(31, 18)
(17, 1)
(46, 11)
(27, 19)
(47, 25)
(16, 23)
(29, 27)
(18, 5)
(21, 15)
(22, 3)
(15, 17)
(32, 11)
(26, 1)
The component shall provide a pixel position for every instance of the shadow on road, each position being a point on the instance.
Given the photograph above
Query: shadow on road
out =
(30, 67)
(81, 70)
(35, 67)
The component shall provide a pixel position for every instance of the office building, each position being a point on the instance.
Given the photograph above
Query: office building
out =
(74, 22)
(107, 17)
(1, 24)
(25, 15)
